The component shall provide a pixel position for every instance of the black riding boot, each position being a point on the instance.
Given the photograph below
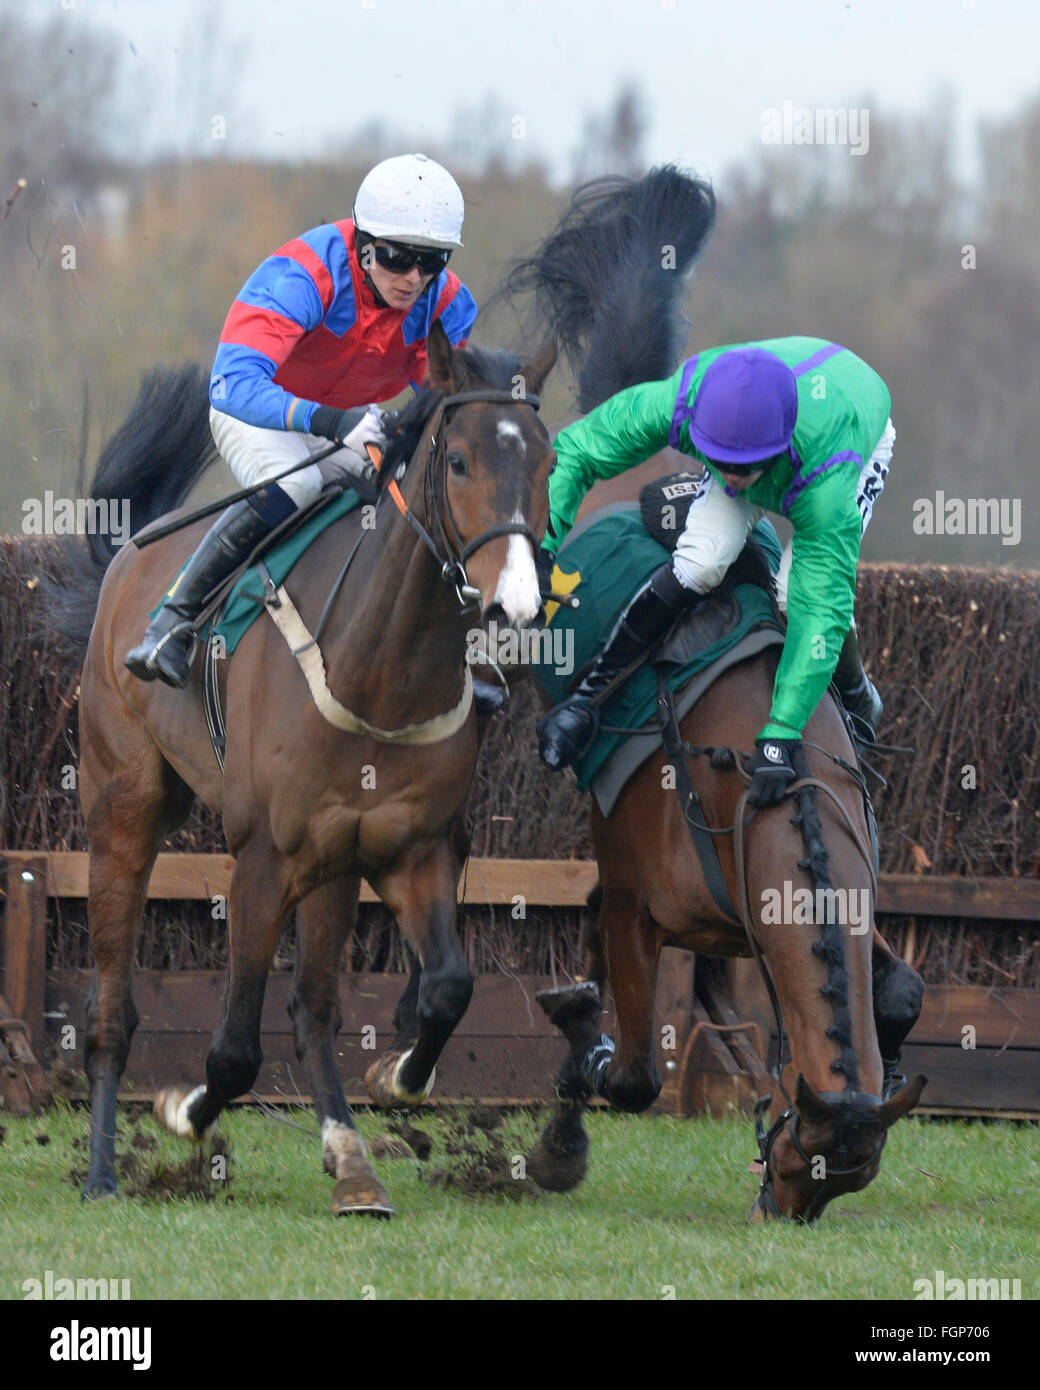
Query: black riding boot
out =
(567, 731)
(166, 650)
(857, 691)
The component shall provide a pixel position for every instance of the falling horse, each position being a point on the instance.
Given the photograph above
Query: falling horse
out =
(309, 808)
(847, 1002)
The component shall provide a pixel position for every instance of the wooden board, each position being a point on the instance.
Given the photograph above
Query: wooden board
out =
(504, 1047)
(543, 882)
(567, 883)
(25, 942)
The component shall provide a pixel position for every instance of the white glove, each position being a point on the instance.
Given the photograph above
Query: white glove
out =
(369, 430)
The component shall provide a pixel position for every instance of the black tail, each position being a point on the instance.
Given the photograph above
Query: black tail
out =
(150, 464)
(611, 278)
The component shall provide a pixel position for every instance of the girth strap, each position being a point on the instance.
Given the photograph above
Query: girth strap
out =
(690, 801)
(308, 656)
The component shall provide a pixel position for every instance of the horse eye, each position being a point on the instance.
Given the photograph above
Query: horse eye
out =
(457, 464)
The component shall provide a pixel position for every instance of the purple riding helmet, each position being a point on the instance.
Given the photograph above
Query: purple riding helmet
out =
(745, 410)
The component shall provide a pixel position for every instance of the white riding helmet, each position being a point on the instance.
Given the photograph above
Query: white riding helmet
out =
(413, 199)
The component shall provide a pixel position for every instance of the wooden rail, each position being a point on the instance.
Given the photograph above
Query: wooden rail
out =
(546, 883)
(504, 1040)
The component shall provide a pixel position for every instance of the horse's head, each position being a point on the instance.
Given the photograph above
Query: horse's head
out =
(826, 1145)
(488, 484)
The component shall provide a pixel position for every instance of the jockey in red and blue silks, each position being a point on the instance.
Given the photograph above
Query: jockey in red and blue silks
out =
(335, 320)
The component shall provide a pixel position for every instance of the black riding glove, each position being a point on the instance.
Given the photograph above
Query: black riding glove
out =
(771, 770)
(335, 424)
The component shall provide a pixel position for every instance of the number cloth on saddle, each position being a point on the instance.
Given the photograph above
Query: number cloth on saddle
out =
(603, 561)
(245, 603)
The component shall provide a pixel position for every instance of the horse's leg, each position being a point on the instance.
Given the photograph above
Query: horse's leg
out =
(421, 892)
(131, 799)
(324, 920)
(259, 901)
(632, 941)
(898, 990)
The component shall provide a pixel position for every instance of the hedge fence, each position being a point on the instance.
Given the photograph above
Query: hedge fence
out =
(953, 650)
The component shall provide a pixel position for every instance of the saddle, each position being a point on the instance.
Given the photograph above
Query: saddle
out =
(663, 507)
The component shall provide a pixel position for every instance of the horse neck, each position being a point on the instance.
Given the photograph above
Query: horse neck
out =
(398, 619)
(731, 713)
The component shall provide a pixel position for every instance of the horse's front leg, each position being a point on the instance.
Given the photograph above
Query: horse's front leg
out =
(421, 891)
(259, 901)
(324, 920)
(898, 990)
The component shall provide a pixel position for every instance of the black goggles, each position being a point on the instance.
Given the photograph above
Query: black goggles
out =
(744, 470)
(400, 259)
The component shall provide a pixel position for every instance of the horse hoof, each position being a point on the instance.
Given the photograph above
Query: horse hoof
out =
(557, 1172)
(94, 1189)
(361, 1195)
(383, 1082)
(561, 1160)
(574, 1009)
(171, 1110)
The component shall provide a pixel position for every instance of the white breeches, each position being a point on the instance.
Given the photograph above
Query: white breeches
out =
(717, 526)
(255, 455)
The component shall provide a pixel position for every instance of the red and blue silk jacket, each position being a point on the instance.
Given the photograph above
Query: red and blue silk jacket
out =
(305, 330)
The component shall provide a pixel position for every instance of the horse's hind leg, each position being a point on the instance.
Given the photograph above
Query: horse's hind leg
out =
(898, 990)
(632, 941)
(324, 920)
(128, 816)
(260, 899)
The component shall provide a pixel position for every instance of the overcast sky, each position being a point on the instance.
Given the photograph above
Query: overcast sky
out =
(301, 74)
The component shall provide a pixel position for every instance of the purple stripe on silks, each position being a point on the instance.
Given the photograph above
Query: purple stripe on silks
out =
(817, 359)
(682, 411)
(800, 483)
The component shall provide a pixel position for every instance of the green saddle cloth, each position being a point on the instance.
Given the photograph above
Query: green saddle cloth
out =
(245, 603)
(603, 563)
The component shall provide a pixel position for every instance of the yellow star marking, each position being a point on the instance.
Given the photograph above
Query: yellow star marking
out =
(561, 584)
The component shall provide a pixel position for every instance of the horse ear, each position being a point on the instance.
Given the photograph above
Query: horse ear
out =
(902, 1102)
(539, 367)
(447, 370)
(810, 1107)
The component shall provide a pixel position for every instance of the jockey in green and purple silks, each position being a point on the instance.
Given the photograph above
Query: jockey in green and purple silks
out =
(796, 426)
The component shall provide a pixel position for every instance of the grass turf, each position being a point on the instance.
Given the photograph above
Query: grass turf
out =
(661, 1214)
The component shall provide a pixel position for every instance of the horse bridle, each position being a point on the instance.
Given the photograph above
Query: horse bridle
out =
(449, 549)
(789, 1119)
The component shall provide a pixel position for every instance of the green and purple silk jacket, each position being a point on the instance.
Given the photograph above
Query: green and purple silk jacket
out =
(843, 408)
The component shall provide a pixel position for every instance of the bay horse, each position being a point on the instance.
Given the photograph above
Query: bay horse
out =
(847, 1001)
(308, 809)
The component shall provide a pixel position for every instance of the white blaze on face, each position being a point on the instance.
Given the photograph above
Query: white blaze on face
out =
(517, 590)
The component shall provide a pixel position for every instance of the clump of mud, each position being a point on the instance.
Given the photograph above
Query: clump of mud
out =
(204, 1175)
(485, 1152)
(403, 1140)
